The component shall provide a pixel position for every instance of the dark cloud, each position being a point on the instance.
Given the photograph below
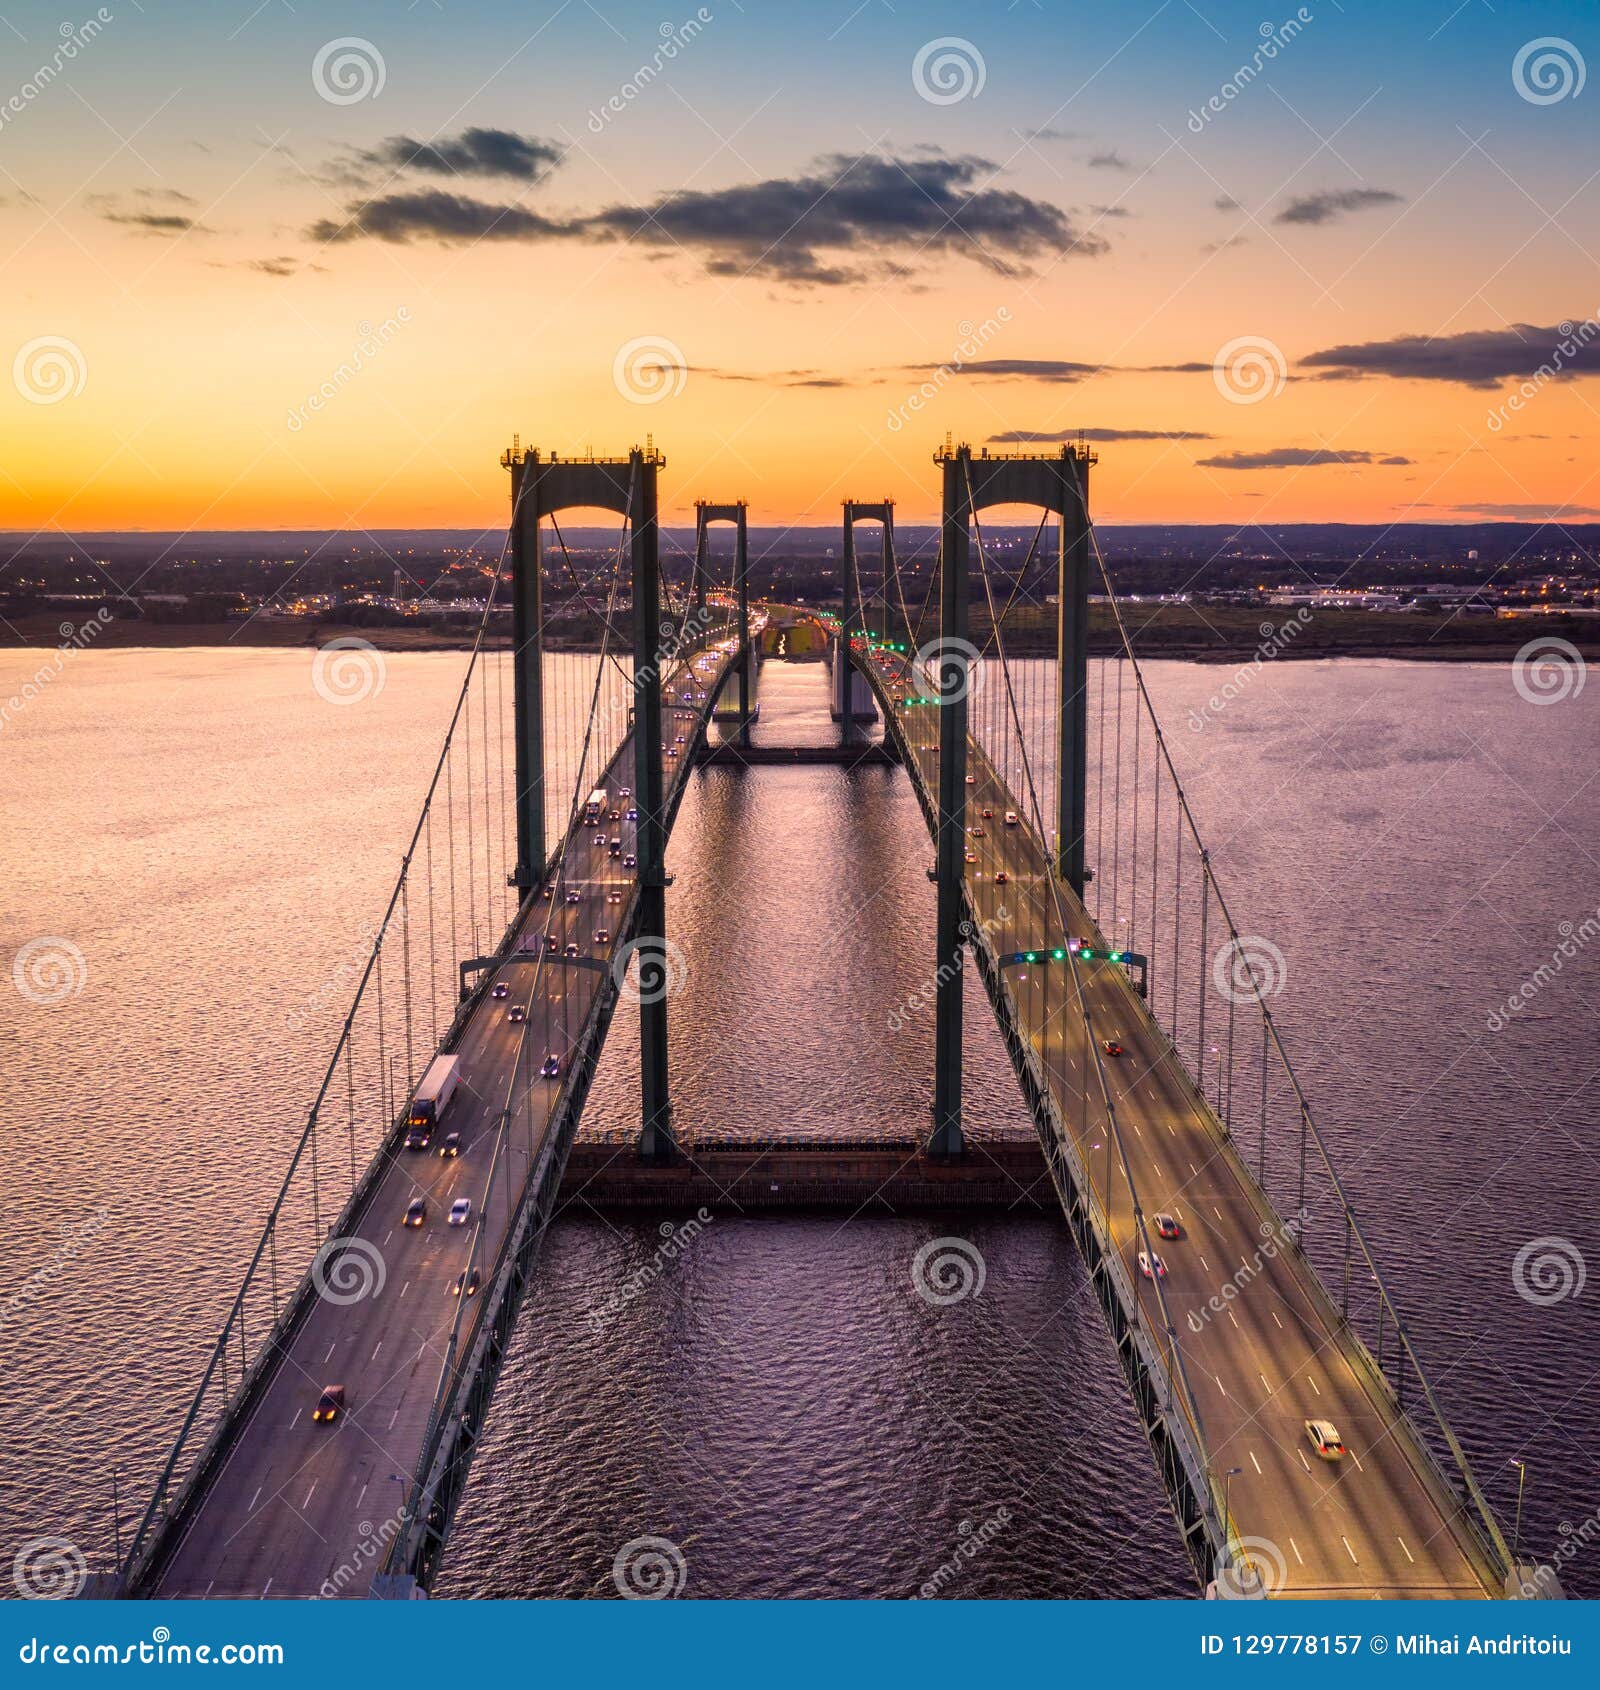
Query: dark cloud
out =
(1047, 132)
(432, 214)
(1112, 160)
(1334, 203)
(474, 152)
(785, 378)
(1110, 211)
(273, 266)
(1295, 457)
(1034, 369)
(1099, 436)
(1225, 202)
(156, 222)
(1476, 358)
(843, 221)
(1226, 242)
(1529, 513)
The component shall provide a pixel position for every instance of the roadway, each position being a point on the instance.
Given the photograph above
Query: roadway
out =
(1273, 1355)
(298, 1507)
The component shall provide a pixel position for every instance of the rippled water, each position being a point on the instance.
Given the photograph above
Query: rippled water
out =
(213, 837)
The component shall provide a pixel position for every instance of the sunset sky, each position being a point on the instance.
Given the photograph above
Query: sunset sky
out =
(807, 243)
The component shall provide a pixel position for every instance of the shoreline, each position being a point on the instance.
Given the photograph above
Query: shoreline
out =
(42, 634)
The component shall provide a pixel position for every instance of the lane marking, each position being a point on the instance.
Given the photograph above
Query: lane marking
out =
(1274, 1314)
(1303, 1462)
(329, 1354)
(1402, 1542)
(1207, 1266)
(363, 1493)
(1263, 1378)
(1313, 1384)
(253, 1500)
(1254, 1463)
(1297, 1555)
(1220, 1386)
(1348, 1550)
(309, 1494)
(404, 1288)
(266, 1587)
(396, 1415)
(375, 1348)
(1233, 1317)
(1357, 1459)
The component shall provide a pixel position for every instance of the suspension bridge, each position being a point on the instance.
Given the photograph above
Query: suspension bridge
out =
(1234, 1277)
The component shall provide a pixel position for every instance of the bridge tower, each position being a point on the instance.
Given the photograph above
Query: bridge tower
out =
(705, 513)
(542, 487)
(1057, 483)
(853, 610)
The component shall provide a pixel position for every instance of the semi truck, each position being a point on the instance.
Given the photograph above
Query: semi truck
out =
(431, 1100)
(595, 807)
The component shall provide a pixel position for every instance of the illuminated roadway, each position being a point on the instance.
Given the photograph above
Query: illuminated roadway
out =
(300, 1507)
(1261, 1364)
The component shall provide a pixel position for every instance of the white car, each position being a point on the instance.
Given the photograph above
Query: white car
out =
(461, 1211)
(1011, 818)
(1151, 1265)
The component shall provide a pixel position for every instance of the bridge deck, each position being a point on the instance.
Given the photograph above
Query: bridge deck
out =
(1381, 1523)
(291, 1507)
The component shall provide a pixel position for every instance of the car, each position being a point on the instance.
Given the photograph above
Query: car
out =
(451, 1148)
(629, 860)
(461, 1211)
(976, 831)
(517, 1014)
(613, 897)
(417, 1138)
(631, 813)
(602, 935)
(627, 792)
(551, 1069)
(1011, 818)
(1111, 1047)
(468, 1282)
(614, 849)
(552, 942)
(680, 740)
(614, 814)
(1325, 1439)
(330, 1405)
(574, 896)
(500, 989)
(1167, 1226)
(972, 856)
(1151, 1265)
(548, 893)
(972, 780)
(1001, 878)
(570, 949)
(672, 751)
(988, 812)
(416, 1211)
(600, 839)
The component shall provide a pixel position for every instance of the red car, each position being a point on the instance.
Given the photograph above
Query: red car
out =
(1111, 1047)
(1167, 1227)
(330, 1404)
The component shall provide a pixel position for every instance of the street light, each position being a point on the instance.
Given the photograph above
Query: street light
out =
(1516, 1535)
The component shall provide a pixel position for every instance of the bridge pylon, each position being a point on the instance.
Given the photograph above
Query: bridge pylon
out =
(853, 609)
(705, 513)
(542, 487)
